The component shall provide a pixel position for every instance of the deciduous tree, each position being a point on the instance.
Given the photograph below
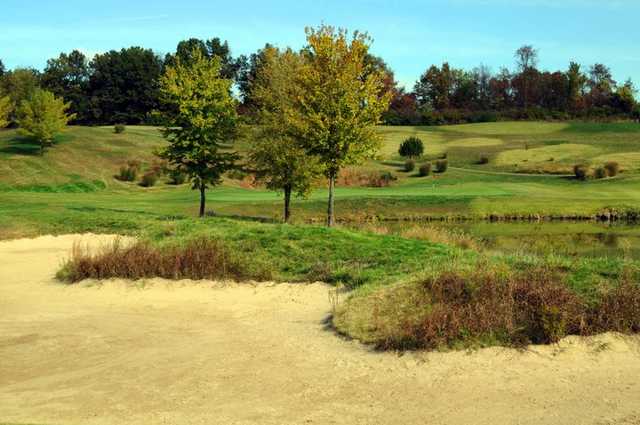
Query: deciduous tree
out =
(275, 155)
(42, 116)
(202, 122)
(340, 102)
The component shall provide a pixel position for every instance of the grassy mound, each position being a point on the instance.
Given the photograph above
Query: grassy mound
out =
(487, 306)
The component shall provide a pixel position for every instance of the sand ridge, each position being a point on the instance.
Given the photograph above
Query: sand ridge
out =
(159, 352)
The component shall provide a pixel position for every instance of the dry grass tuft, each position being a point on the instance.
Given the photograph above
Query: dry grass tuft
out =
(199, 259)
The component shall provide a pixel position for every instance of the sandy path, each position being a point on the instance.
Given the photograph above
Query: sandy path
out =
(180, 353)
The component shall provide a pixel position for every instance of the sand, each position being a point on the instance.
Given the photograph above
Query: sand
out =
(160, 352)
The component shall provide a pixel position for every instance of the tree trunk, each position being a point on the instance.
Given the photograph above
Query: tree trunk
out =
(330, 209)
(287, 203)
(202, 199)
(41, 148)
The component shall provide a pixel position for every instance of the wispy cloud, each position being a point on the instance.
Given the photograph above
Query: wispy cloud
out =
(140, 18)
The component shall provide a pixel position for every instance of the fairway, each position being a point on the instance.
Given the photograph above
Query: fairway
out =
(75, 179)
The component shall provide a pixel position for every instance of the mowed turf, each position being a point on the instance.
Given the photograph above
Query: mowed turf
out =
(74, 181)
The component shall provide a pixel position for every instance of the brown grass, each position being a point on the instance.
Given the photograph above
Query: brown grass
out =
(489, 306)
(444, 236)
(199, 259)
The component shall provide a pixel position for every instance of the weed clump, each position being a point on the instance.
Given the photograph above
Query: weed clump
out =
(581, 171)
(149, 179)
(199, 259)
(119, 128)
(612, 168)
(600, 173)
(424, 170)
(409, 165)
(441, 166)
(483, 160)
(129, 172)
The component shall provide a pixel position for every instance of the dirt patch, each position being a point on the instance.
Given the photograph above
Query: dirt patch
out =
(158, 352)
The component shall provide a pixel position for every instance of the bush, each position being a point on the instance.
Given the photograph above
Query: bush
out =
(612, 168)
(441, 165)
(149, 179)
(411, 148)
(483, 160)
(600, 173)
(424, 170)
(409, 165)
(581, 171)
(129, 172)
(176, 177)
(119, 128)
(199, 259)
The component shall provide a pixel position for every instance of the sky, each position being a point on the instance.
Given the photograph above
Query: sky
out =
(410, 35)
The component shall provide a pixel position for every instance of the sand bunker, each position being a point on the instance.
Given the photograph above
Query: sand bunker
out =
(160, 352)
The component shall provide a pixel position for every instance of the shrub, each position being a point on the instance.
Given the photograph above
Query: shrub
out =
(483, 160)
(444, 155)
(612, 168)
(581, 171)
(600, 173)
(176, 176)
(441, 165)
(425, 169)
(129, 172)
(119, 128)
(488, 306)
(149, 179)
(384, 179)
(199, 259)
(409, 165)
(411, 148)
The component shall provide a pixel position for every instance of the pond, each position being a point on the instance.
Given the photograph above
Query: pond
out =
(566, 238)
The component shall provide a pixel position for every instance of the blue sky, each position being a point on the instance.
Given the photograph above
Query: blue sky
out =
(408, 34)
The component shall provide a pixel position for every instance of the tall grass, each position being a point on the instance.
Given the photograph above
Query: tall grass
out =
(493, 305)
(200, 258)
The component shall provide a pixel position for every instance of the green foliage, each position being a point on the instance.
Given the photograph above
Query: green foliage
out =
(275, 156)
(124, 85)
(119, 128)
(581, 171)
(5, 110)
(441, 165)
(411, 148)
(424, 170)
(202, 120)
(67, 76)
(600, 173)
(409, 165)
(176, 176)
(341, 100)
(19, 85)
(127, 173)
(43, 116)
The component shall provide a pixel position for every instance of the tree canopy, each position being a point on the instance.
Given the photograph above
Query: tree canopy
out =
(42, 116)
(201, 121)
(340, 102)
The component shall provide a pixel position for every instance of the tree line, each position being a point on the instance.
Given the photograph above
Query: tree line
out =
(123, 86)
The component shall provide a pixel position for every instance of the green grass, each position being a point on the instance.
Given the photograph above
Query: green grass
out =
(74, 180)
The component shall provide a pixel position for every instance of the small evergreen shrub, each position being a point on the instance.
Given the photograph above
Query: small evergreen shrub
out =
(600, 173)
(411, 148)
(424, 170)
(581, 171)
(483, 160)
(409, 165)
(119, 128)
(612, 168)
(441, 165)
